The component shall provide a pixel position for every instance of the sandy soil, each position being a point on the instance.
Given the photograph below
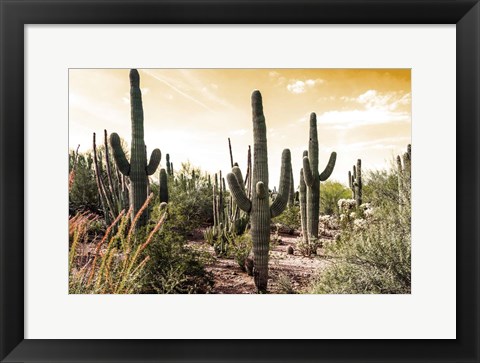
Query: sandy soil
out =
(287, 273)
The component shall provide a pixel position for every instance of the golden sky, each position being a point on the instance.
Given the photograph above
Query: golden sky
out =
(190, 113)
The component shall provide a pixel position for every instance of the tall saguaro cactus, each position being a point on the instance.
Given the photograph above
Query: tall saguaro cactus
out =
(258, 206)
(312, 180)
(137, 170)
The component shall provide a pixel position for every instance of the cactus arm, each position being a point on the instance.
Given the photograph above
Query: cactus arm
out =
(154, 161)
(238, 193)
(238, 174)
(261, 190)
(278, 206)
(291, 193)
(350, 180)
(119, 155)
(329, 168)
(307, 172)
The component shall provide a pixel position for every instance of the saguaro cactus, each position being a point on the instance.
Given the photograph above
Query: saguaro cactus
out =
(404, 176)
(302, 199)
(258, 206)
(163, 181)
(137, 170)
(169, 171)
(355, 182)
(312, 180)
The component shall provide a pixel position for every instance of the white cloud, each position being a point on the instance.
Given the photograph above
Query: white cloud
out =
(373, 108)
(389, 143)
(355, 118)
(298, 86)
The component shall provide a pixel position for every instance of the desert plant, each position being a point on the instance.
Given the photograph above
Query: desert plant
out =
(117, 263)
(137, 170)
(330, 193)
(82, 191)
(355, 182)
(111, 184)
(291, 193)
(241, 249)
(312, 180)
(163, 185)
(284, 283)
(169, 165)
(404, 173)
(372, 255)
(290, 218)
(258, 206)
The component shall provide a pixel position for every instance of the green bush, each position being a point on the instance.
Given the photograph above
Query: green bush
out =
(241, 248)
(289, 218)
(174, 267)
(373, 256)
(83, 191)
(330, 193)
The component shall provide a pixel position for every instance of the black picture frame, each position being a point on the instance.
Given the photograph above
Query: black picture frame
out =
(15, 14)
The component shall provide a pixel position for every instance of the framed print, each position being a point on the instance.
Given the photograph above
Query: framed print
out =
(389, 89)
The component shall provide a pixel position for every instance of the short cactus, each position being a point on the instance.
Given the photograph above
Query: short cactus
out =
(137, 170)
(355, 182)
(312, 180)
(258, 206)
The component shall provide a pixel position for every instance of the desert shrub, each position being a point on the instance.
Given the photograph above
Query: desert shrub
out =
(381, 187)
(330, 193)
(174, 267)
(289, 218)
(82, 192)
(241, 248)
(307, 249)
(117, 262)
(373, 256)
(190, 198)
(284, 284)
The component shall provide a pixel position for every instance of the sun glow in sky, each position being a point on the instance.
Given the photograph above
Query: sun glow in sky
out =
(190, 114)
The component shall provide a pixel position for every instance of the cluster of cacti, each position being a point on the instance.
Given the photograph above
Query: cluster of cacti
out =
(404, 176)
(137, 170)
(217, 235)
(258, 205)
(310, 184)
(355, 182)
(112, 187)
